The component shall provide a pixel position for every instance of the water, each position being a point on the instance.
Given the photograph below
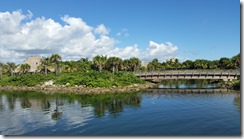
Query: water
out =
(163, 114)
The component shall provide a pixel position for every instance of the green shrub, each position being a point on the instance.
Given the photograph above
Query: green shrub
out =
(92, 78)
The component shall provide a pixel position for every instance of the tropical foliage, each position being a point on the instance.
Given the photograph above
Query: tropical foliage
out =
(101, 71)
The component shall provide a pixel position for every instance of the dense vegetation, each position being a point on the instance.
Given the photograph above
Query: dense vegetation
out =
(91, 78)
(101, 71)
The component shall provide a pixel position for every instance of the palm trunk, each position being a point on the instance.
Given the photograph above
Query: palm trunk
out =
(60, 69)
(1, 74)
(56, 69)
(113, 69)
(11, 71)
(45, 70)
(100, 68)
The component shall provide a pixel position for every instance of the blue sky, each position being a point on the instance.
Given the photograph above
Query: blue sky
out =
(186, 29)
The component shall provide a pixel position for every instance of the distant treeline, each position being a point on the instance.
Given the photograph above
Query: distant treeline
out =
(114, 64)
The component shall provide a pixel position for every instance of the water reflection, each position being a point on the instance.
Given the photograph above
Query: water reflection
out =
(237, 101)
(179, 84)
(29, 111)
(111, 103)
(56, 115)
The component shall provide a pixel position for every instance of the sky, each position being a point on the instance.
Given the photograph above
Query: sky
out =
(147, 29)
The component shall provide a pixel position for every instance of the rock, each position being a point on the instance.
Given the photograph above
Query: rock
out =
(48, 83)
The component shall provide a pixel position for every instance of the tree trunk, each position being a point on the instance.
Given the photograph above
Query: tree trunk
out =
(45, 70)
(56, 69)
(11, 71)
(60, 69)
(1, 73)
(100, 68)
(113, 69)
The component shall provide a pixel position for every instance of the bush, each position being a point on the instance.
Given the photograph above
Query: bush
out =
(92, 78)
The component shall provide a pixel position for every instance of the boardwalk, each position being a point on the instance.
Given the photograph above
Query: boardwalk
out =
(189, 74)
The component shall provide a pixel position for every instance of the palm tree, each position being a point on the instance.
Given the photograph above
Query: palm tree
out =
(11, 66)
(114, 62)
(24, 68)
(126, 64)
(224, 63)
(55, 58)
(200, 64)
(99, 61)
(1, 70)
(135, 63)
(45, 62)
(236, 60)
(155, 64)
(213, 64)
(71, 66)
(188, 64)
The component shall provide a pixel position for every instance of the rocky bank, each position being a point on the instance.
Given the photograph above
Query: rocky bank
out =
(78, 89)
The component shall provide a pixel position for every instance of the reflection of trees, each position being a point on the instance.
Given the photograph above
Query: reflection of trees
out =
(1, 103)
(113, 104)
(25, 102)
(173, 83)
(56, 115)
(45, 104)
(11, 101)
(99, 110)
(237, 101)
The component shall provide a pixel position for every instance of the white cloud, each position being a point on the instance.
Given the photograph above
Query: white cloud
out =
(126, 53)
(160, 51)
(73, 39)
(102, 30)
(123, 32)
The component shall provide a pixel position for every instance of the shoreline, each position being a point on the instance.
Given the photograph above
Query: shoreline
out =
(80, 89)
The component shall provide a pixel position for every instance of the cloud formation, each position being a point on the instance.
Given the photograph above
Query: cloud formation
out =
(22, 36)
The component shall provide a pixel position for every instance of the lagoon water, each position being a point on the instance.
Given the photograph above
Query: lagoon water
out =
(128, 114)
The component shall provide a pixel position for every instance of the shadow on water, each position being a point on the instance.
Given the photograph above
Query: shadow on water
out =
(112, 104)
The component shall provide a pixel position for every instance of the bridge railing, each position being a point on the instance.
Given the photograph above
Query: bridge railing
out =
(189, 71)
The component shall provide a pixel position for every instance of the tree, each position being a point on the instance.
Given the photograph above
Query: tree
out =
(236, 60)
(24, 68)
(71, 66)
(99, 61)
(155, 65)
(45, 62)
(213, 64)
(224, 63)
(126, 64)
(1, 70)
(113, 63)
(200, 64)
(135, 63)
(84, 64)
(11, 67)
(55, 58)
(188, 64)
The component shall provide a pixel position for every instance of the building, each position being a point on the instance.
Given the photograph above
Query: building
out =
(172, 60)
(33, 61)
(144, 63)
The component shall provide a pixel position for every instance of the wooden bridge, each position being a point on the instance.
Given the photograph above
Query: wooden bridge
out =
(189, 74)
